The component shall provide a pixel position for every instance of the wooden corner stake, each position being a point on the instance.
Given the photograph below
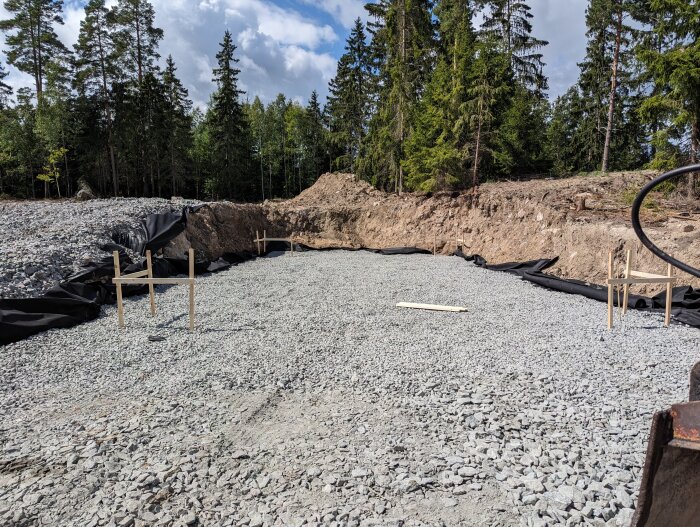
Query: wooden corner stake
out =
(120, 303)
(151, 287)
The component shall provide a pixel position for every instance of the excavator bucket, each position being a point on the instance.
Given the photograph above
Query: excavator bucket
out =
(669, 494)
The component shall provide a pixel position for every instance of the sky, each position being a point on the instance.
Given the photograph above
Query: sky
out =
(292, 46)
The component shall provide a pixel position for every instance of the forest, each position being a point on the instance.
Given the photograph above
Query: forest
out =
(424, 98)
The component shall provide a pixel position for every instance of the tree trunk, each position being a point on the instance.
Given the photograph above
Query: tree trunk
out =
(138, 49)
(108, 114)
(613, 90)
(694, 150)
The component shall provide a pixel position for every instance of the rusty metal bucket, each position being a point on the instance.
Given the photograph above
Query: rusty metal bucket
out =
(669, 494)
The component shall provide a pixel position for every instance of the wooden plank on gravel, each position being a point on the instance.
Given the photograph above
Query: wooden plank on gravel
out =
(432, 307)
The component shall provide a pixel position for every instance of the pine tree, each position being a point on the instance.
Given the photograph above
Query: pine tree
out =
(509, 22)
(97, 70)
(349, 99)
(227, 121)
(136, 37)
(31, 39)
(178, 124)
(5, 89)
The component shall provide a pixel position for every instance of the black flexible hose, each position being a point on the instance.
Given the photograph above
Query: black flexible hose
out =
(637, 205)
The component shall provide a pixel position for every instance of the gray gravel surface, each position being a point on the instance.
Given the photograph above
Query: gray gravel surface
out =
(305, 397)
(42, 242)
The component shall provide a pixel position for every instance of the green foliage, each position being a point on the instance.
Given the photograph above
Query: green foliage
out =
(5, 90)
(30, 36)
(671, 56)
(349, 100)
(421, 99)
(135, 37)
(51, 172)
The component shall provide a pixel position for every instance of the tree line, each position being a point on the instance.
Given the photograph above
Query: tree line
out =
(422, 99)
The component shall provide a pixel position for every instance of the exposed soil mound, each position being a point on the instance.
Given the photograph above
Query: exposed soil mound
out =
(577, 219)
(336, 189)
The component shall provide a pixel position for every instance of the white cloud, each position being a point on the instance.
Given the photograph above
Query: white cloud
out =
(344, 11)
(563, 24)
(286, 49)
(285, 26)
(68, 32)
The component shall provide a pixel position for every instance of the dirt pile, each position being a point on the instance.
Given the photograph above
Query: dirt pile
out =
(578, 219)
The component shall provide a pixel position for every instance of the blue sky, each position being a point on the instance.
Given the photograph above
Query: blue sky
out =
(291, 46)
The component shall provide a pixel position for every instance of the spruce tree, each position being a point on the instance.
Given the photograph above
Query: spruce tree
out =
(30, 36)
(178, 124)
(97, 70)
(673, 66)
(509, 22)
(489, 83)
(314, 142)
(349, 99)
(255, 116)
(436, 153)
(402, 45)
(227, 122)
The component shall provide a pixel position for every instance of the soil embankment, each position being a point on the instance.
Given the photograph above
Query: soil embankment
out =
(505, 222)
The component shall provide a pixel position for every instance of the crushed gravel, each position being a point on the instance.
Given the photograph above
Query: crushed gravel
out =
(43, 242)
(305, 397)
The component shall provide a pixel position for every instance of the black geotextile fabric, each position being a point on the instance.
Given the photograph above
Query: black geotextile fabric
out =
(78, 298)
(685, 301)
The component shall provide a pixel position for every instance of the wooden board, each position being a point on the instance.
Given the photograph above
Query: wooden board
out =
(432, 307)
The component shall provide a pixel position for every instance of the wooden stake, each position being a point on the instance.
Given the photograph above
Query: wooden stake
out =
(610, 290)
(264, 241)
(257, 240)
(626, 287)
(669, 296)
(151, 288)
(191, 289)
(120, 304)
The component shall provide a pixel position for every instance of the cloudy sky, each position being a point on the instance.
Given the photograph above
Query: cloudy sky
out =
(291, 46)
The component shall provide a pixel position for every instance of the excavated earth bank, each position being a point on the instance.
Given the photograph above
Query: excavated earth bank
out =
(508, 221)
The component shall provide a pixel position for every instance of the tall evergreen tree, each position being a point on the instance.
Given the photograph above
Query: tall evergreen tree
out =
(488, 85)
(349, 99)
(509, 22)
(136, 36)
(178, 124)
(437, 153)
(228, 122)
(30, 36)
(97, 70)
(673, 64)
(403, 45)
(255, 115)
(607, 104)
(314, 140)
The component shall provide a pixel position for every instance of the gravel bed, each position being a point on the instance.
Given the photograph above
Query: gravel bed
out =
(305, 397)
(43, 242)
